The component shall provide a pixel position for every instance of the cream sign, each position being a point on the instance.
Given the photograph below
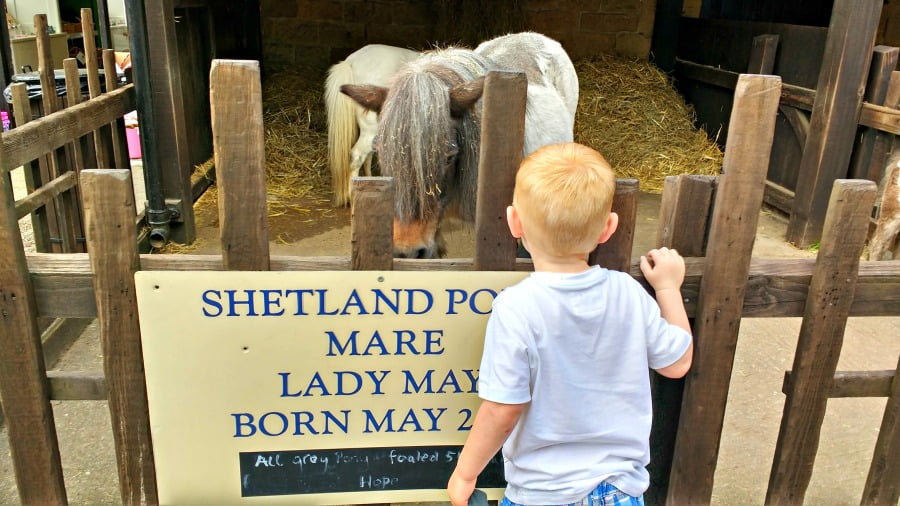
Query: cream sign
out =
(313, 387)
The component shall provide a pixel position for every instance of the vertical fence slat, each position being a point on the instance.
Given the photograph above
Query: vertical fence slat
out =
(73, 94)
(870, 155)
(502, 140)
(102, 139)
(762, 54)
(883, 481)
(40, 218)
(828, 302)
(117, 127)
(615, 253)
(371, 224)
(833, 124)
(235, 95)
(682, 225)
(23, 377)
(684, 213)
(735, 215)
(109, 219)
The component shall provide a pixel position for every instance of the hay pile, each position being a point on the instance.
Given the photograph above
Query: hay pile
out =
(629, 111)
(296, 137)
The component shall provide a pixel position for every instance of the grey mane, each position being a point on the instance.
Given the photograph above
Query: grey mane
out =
(414, 132)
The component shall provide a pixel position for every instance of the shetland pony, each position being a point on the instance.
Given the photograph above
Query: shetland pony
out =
(349, 124)
(429, 127)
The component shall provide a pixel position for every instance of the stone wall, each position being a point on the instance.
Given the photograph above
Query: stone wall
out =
(317, 33)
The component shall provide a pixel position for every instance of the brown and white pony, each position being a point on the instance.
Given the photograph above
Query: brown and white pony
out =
(429, 127)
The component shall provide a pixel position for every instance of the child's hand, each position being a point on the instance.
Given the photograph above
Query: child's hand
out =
(663, 268)
(459, 490)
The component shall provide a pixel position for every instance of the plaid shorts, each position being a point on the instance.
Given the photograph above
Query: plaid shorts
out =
(604, 495)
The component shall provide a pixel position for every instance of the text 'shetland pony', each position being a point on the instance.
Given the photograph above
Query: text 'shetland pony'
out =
(429, 125)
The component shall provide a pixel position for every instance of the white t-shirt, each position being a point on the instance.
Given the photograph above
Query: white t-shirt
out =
(576, 348)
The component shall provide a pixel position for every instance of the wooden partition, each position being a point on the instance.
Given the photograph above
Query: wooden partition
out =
(720, 288)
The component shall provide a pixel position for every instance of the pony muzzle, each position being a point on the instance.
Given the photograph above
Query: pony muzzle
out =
(418, 239)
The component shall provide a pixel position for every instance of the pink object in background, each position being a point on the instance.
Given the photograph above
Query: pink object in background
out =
(5, 117)
(132, 135)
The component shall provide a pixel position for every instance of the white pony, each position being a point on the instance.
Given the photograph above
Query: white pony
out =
(348, 123)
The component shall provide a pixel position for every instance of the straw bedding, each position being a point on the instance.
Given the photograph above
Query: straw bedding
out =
(628, 110)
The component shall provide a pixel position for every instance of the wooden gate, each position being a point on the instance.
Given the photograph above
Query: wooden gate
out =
(723, 285)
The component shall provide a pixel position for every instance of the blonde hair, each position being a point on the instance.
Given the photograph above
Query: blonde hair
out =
(564, 194)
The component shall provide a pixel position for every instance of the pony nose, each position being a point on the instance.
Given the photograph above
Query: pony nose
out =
(420, 252)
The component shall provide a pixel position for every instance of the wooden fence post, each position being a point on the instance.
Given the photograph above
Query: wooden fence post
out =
(23, 376)
(835, 114)
(883, 481)
(720, 303)
(371, 224)
(43, 219)
(235, 95)
(109, 222)
(102, 136)
(873, 146)
(828, 303)
(683, 223)
(502, 141)
(615, 254)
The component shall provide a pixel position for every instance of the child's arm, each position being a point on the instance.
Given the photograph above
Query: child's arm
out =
(666, 274)
(493, 423)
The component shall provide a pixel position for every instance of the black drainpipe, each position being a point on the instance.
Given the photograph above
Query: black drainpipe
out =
(158, 215)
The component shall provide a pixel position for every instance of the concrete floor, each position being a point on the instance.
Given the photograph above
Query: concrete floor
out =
(765, 350)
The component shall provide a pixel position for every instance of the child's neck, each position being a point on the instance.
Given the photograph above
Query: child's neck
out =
(564, 264)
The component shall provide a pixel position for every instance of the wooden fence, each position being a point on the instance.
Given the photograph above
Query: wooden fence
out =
(829, 128)
(723, 284)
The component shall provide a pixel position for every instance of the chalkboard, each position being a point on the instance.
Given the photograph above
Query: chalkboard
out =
(356, 470)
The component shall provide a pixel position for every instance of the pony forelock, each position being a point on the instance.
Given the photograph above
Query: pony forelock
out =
(415, 129)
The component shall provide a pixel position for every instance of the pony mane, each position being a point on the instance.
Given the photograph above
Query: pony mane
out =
(414, 133)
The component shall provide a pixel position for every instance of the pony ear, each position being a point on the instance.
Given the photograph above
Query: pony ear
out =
(463, 96)
(369, 96)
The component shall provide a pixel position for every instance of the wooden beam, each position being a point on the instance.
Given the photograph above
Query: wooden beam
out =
(615, 254)
(77, 386)
(774, 287)
(45, 194)
(853, 384)
(372, 224)
(109, 220)
(884, 61)
(23, 385)
(835, 114)
(883, 482)
(239, 143)
(762, 54)
(502, 139)
(28, 142)
(684, 213)
(102, 135)
(40, 219)
(831, 294)
(733, 228)
(874, 116)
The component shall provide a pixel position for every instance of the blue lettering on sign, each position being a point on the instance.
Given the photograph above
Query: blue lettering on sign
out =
(344, 383)
(449, 384)
(404, 341)
(479, 302)
(300, 423)
(408, 421)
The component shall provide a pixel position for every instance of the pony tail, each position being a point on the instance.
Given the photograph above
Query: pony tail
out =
(342, 130)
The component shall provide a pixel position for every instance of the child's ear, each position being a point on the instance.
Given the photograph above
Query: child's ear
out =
(512, 219)
(612, 222)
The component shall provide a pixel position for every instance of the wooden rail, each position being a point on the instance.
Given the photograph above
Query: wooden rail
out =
(885, 119)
